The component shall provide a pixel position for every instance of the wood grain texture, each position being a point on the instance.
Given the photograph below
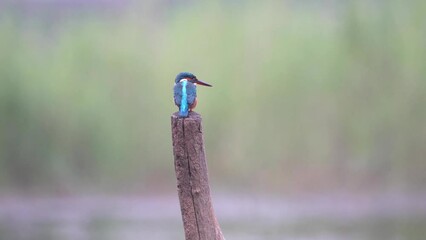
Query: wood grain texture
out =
(198, 216)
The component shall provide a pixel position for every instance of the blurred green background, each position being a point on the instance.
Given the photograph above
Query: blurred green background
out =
(315, 126)
(307, 96)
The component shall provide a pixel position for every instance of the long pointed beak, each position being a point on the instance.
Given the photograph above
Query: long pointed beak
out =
(202, 83)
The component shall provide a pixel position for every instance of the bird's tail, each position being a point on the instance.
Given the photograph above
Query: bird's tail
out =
(183, 110)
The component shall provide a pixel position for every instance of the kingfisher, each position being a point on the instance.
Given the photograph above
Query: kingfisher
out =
(185, 92)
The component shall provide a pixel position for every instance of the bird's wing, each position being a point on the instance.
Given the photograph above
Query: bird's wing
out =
(191, 90)
(177, 93)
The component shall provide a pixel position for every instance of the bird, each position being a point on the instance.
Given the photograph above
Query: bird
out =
(185, 92)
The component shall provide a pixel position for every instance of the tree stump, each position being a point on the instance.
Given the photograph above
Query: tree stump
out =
(198, 216)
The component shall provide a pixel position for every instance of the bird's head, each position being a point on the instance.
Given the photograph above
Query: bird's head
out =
(190, 78)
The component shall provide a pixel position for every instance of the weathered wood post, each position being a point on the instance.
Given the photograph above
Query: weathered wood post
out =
(199, 220)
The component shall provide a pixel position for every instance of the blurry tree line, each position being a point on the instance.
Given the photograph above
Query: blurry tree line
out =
(306, 96)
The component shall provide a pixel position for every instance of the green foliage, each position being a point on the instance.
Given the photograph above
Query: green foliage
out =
(304, 97)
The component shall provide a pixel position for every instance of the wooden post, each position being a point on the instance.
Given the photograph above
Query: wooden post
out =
(199, 220)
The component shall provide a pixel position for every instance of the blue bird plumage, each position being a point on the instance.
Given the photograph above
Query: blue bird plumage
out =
(185, 92)
(183, 111)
